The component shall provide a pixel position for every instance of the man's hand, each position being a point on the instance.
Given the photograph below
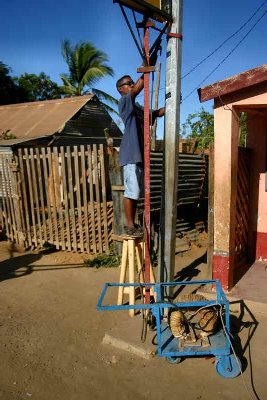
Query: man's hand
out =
(161, 112)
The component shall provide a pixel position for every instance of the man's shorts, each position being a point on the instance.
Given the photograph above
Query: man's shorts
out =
(133, 181)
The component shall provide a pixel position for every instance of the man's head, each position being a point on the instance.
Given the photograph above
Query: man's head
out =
(125, 84)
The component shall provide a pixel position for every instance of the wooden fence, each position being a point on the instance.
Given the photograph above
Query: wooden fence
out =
(62, 195)
(56, 195)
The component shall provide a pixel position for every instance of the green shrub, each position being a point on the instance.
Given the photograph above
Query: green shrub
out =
(111, 260)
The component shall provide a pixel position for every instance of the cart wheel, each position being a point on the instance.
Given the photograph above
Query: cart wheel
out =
(228, 367)
(174, 360)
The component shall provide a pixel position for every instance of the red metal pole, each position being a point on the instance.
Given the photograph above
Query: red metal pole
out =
(147, 167)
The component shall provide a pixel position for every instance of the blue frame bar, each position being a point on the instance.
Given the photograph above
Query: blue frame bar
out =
(220, 345)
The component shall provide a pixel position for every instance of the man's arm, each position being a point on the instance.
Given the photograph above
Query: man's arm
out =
(138, 87)
(157, 113)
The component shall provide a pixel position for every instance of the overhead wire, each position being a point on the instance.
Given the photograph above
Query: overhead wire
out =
(139, 36)
(227, 56)
(225, 41)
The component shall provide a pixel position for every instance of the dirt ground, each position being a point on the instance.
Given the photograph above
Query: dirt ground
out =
(51, 334)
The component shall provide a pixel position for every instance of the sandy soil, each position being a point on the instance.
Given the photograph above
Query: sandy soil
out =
(51, 333)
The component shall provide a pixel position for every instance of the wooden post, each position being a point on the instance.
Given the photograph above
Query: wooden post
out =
(116, 181)
(17, 197)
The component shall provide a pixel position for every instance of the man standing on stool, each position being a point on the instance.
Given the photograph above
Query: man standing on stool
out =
(132, 148)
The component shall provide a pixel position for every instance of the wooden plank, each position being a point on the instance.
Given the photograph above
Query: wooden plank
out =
(40, 185)
(50, 220)
(4, 198)
(116, 179)
(51, 175)
(58, 203)
(65, 198)
(24, 197)
(10, 207)
(97, 191)
(17, 202)
(36, 197)
(123, 270)
(29, 175)
(131, 266)
(104, 197)
(13, 198)
(85, 203)
(19, 193)
(71, 191)
(118, 187)
(78, 198)
(91, 190)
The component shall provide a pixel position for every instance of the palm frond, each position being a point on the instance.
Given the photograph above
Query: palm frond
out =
(109, 108)
(104, 96)
(68, 88)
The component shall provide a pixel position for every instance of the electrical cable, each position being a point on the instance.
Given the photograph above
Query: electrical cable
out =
(132, 33)
(136, 25)
(227, 335)
(234, 353)
(225, 41)
(225, 58)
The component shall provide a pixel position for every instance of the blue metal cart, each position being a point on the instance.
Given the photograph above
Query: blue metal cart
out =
(227, 363)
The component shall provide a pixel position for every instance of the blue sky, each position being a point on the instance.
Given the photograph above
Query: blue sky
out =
(31, 34)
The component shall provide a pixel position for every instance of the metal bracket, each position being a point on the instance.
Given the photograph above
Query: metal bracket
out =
(145, 70)
(174, 35)
(144, 24)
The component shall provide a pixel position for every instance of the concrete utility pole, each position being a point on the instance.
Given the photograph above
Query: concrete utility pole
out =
(172, 126)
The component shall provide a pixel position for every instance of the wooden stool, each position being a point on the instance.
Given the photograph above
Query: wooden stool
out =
(132, 247)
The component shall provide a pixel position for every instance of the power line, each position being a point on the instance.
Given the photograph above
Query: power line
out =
(225, 41)
(225, 58)
(214, 51)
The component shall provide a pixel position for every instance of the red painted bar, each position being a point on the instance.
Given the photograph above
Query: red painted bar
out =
(147, 168)
(261, 245)
(221, 270)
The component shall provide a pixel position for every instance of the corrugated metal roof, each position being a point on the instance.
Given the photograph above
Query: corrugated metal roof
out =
(12, 142)
(40, 118)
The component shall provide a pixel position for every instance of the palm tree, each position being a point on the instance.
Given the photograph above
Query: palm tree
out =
(87, 66)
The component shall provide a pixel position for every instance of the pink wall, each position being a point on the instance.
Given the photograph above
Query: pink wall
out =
(226, 131)
(257, 142)
(225, 177)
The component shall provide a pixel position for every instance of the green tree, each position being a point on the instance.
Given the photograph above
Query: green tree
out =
(199, 126)
(38, 87)
(10, 92)
(87, 66)
(243, 129)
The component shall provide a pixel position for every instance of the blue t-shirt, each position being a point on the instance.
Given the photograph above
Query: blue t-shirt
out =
(132, 143)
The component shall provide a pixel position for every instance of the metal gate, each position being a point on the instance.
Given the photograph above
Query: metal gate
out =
(242, 208)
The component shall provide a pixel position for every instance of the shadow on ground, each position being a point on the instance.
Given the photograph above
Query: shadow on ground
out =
(18, 266)
(245, 320)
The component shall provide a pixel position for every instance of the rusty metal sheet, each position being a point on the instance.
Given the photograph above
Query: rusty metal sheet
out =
(40, 118)
(234, 83)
